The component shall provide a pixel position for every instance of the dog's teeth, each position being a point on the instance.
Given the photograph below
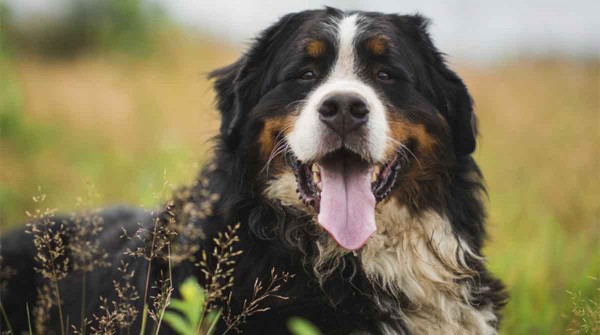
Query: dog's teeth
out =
(316, 173)
(319, 186)
(316, 177)
(375, 174)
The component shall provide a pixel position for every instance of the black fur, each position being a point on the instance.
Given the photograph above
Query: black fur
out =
(250, 91)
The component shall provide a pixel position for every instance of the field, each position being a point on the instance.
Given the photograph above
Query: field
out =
(120, 121)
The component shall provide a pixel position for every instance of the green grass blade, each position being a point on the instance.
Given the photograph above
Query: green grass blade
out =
(212, 319)
(28, 319)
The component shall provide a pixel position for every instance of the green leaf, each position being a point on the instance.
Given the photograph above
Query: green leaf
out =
(194, 298)
(300, 326)
(192, 291)
(178, 324)
(190, 306)
(179, 305)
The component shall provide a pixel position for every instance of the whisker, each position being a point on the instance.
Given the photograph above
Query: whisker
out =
(404, 149)
(279, 147)
(293, 103)
(410, 152)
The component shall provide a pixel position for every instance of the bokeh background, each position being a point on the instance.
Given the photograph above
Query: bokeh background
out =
(114, 93)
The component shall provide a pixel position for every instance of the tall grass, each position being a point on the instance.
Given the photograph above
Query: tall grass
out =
(118, 122)
(540, 126)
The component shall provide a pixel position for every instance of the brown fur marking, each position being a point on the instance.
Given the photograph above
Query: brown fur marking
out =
(377, 45)
(315, 48)
(269, 135)
(401, 131)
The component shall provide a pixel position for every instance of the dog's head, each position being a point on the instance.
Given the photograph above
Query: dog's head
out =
(359, 106)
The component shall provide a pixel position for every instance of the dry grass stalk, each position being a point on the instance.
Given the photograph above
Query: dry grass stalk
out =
(160, 301)
(86, 252)
(254, 305)
(118, 315)
(219, 277)
(585, 311)
(41, 310)
(51, 258)
(153, 243)
(190, 205)
(84, 246)
(109, 319)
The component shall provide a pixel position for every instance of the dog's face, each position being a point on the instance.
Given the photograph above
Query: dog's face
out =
(360, 107)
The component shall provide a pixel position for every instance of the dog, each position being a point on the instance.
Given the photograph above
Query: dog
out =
(344, 161)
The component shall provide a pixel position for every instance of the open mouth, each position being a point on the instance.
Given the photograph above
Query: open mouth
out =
(344, 188)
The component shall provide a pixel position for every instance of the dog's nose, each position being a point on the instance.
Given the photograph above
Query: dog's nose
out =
(344, 112)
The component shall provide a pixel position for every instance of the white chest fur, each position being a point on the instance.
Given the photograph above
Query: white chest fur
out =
(418, 257)
(424, 260)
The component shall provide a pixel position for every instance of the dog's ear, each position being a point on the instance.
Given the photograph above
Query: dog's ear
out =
(240, 85)
(444, 86)
(228, 100)
(457, 105)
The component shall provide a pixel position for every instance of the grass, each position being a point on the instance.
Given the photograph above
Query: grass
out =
(99, 119)
(540, 130)
(118, 122)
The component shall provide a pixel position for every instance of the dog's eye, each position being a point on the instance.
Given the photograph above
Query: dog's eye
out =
(384, 76)
(308, 75)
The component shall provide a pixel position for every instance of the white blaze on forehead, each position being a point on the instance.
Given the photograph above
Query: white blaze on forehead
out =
(307, 138)
(345, 63)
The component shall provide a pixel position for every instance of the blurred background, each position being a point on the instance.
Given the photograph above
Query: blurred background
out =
(113, 93)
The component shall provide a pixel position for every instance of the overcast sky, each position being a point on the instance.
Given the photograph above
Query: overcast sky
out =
(468, 29)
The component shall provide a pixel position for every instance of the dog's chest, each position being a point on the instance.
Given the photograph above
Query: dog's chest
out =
(421, 260)
(413, 258)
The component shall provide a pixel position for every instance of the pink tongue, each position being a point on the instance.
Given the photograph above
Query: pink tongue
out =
(347, 208)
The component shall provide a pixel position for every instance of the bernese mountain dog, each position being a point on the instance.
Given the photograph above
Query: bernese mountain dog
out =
(344, 156)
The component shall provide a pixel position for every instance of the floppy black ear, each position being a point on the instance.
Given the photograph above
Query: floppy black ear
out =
(458, 108)
(240, 85)
(228, 100)
(449, 93)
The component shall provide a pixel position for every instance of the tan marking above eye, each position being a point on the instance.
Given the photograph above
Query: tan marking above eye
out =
(377, 45)
(315, 48)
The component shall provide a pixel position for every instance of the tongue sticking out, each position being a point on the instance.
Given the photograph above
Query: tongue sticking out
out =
(347, 208)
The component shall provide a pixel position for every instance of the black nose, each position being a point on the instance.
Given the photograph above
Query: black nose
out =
(344, 112)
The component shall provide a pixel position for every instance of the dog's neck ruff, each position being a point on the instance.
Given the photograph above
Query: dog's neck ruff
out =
(413, 257)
